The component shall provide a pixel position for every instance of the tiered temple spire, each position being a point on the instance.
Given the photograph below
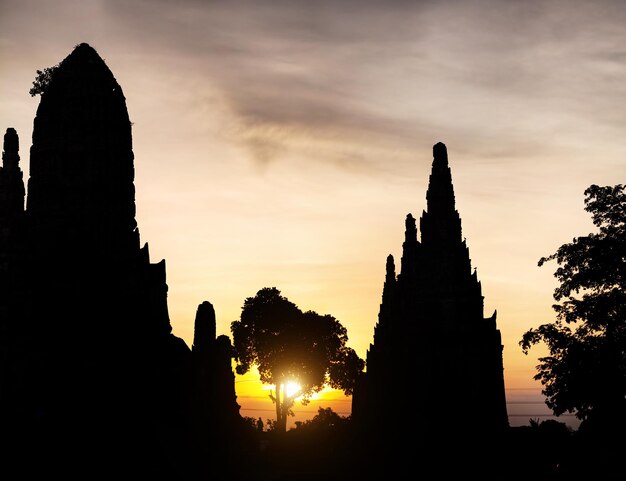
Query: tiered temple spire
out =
(431, 342)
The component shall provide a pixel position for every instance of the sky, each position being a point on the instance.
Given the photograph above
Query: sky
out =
(282, 143)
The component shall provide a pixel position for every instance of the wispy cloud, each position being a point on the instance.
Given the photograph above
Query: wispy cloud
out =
(351, 80)
(394, 74)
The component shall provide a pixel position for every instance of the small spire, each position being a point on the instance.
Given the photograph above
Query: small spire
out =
(410, 248)
(10, 150)
(390, 280)
(410, 234)
(391, 269)
(204, 327)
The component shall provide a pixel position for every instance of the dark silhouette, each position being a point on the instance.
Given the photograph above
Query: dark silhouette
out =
(11, 234)
(325, 419)
(93, 383)
(432, 343)
(585, 370)
(289, 345)
(219, 426)
(91, 377)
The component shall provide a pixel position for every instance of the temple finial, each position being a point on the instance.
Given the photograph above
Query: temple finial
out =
(440, 194)
(391, 268)
(440, 153)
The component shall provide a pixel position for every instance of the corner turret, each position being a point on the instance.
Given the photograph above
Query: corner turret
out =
(11, 179)
(204, 328)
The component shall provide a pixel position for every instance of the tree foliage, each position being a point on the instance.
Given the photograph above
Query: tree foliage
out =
(288, 345)
(325, 420)
(42, 80)
(585, 371)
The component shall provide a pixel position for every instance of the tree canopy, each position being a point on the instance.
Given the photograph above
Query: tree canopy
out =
(291, 346)
(585, 371)
(42, 80)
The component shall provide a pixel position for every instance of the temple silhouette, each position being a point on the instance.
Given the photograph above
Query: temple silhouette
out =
(91, 375)
(432, 346)
(94, 382)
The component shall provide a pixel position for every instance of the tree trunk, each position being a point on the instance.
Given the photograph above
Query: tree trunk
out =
(279, 409)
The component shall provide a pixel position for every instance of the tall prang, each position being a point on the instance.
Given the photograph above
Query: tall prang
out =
(80, 207)
(81, 191)
(91, 374)
(432, 343)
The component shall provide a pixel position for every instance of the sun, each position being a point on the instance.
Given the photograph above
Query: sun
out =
(292, 388)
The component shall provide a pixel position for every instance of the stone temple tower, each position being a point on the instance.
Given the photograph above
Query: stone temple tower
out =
(84, 240)
(91, 376)
(434, 354)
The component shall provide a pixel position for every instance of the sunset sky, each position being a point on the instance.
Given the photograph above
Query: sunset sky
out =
(282, 143)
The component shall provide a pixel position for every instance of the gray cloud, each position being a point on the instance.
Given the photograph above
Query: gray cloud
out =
(387, 74)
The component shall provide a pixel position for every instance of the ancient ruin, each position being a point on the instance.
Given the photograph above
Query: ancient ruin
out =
(91, 375)
(432, 347)
(94, 381)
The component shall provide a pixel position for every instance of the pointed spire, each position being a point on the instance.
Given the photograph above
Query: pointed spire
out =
(440, 222)
(391, 269)
(410, 232)
(440, 194)
(410, 248)
(390, 280)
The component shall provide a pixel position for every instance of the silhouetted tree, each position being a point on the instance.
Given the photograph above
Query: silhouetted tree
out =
(585, 371)
(288, 345)
(325, 419)
(44, 77)
(41, 82)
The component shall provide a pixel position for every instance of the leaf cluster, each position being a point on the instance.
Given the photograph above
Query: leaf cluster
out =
(586, 365)
(42, 80)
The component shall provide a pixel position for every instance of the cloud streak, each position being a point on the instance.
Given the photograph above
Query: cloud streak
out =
(396, 75)
(370, 78)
